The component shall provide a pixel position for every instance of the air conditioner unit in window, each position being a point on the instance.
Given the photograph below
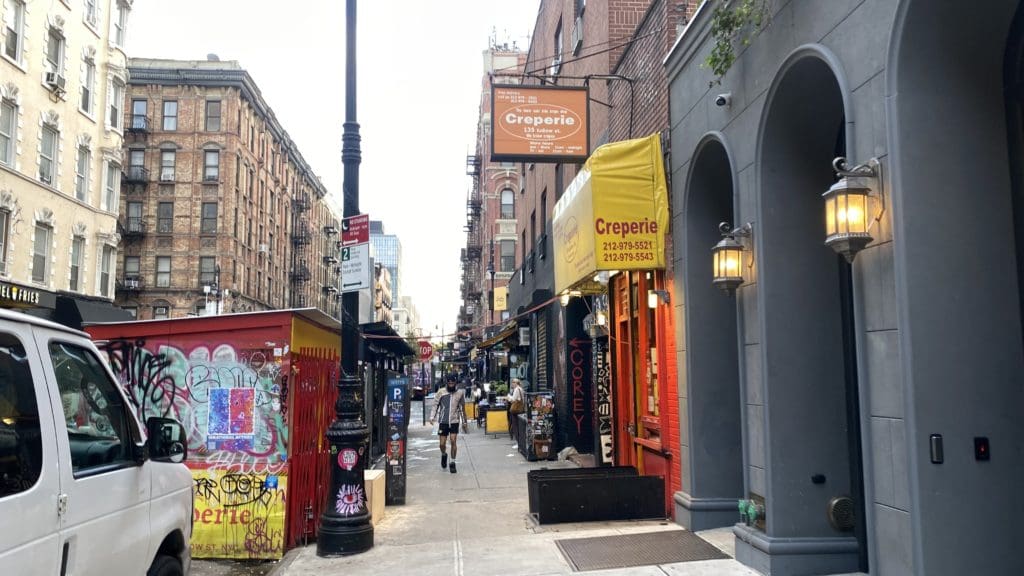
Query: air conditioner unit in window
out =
(166, 176)
(55, 81)
(264, 249)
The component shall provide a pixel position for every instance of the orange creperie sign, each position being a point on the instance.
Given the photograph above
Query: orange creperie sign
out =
(539, 123)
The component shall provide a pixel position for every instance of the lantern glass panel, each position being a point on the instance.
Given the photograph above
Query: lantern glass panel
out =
(830, 216)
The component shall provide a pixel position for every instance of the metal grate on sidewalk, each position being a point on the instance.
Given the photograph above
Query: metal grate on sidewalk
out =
(648, 548)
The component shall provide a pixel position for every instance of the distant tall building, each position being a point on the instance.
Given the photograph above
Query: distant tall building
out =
(388, 249)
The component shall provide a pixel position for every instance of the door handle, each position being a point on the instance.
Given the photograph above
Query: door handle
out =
(631, 429)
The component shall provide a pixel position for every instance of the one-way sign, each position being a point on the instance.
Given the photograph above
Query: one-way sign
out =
(355, 267)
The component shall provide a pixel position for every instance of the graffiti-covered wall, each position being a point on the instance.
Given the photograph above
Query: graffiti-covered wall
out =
(229, 389)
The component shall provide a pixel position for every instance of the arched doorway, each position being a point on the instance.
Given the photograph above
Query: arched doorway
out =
(710, 407)
(951, 81)
(806, 436)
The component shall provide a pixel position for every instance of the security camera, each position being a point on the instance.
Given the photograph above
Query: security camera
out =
(724, 99)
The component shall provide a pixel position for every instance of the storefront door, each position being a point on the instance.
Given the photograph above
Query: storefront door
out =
(640, 387)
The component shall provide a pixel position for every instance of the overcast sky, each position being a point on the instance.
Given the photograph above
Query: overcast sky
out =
(419, 72)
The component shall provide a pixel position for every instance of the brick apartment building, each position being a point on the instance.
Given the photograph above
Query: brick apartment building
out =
(488, 260)
(220, 212)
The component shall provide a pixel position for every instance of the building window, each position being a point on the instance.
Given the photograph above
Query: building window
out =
(207, 270)
(5, 221)
(139, 114)
(48, 155)
(167, 158)
(213, 116)
(163, 271)
(211, 165)
(88, 86)
(14, 17)
(133, 311)
(106, 264)
(77, 252)
(41, 253)
(8, 127)
(508, 256)
(55, 50)
(132, 268)
(170, 115)
(160, 312)
(116, 101)
(133, 223)
(508, 204)
(82, 174)
(110, 187)
(119, 23)
(91, 13)
(165, 217)
(208, 223)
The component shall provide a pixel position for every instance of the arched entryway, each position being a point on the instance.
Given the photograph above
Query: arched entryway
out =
(951, 80)
(806, 435)
(709, 403)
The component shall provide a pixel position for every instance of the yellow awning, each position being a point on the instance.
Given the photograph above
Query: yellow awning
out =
(614, 214)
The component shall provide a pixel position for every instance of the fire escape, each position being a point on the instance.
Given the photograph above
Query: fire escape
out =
(132, 224)
(471, 311)
(302, 236)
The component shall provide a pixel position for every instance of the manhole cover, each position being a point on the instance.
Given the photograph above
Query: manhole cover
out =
(664, 547)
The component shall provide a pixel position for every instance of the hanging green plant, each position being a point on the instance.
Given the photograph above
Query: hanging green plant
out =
(732, 21)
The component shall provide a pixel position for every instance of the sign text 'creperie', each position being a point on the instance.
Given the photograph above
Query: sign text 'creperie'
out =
(539, 124)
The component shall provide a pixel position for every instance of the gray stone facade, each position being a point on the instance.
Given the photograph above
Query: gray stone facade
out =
(835, 377)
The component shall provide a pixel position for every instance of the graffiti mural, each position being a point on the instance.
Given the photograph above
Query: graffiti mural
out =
(231, 400)
(238, 515)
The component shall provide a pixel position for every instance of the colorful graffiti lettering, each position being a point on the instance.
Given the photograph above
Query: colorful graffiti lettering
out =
(229, 399)
(143, 375)
(238, 515)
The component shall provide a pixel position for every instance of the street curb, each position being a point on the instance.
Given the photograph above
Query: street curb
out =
(285, 562)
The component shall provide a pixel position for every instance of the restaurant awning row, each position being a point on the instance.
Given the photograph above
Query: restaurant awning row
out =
(387, 339)
(614, 214)
(511, 330)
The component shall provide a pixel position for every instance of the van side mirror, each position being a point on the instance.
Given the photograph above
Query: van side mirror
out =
(167, 441)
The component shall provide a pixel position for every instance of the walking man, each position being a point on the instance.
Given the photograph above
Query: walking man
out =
(450, 411)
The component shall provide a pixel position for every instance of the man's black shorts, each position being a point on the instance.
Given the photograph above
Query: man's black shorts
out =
(446, 429)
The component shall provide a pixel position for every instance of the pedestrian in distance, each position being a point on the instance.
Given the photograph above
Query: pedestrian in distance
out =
(515, 405)
(450, 413)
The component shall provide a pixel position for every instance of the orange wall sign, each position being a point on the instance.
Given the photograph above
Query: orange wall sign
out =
(540, 124)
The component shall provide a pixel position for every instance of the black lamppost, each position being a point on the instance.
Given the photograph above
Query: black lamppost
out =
(345, 524)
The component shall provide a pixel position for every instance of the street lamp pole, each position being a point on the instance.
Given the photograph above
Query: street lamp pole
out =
(345, 524)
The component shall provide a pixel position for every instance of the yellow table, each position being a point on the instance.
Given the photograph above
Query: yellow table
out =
(470, 411)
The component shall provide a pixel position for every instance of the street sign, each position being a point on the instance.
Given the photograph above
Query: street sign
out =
(426, 350)
(355, 230)
(355, 267)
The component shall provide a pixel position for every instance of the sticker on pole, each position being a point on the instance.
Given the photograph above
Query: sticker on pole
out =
(348, 459)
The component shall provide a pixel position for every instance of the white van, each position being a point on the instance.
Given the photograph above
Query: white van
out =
(84, 489)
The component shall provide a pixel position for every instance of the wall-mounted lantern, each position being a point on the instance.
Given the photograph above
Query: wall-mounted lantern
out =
(731, 257)
(848, 204)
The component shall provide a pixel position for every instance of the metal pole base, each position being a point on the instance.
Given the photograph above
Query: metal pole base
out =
(344, 536)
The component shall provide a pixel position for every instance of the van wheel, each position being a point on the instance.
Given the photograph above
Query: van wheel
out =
(165, 566)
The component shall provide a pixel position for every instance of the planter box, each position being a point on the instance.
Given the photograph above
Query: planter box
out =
(594, 494)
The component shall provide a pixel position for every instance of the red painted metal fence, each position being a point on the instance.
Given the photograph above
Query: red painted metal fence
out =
(313, 392)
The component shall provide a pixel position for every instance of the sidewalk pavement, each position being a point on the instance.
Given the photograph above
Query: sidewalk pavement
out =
(476, 522)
